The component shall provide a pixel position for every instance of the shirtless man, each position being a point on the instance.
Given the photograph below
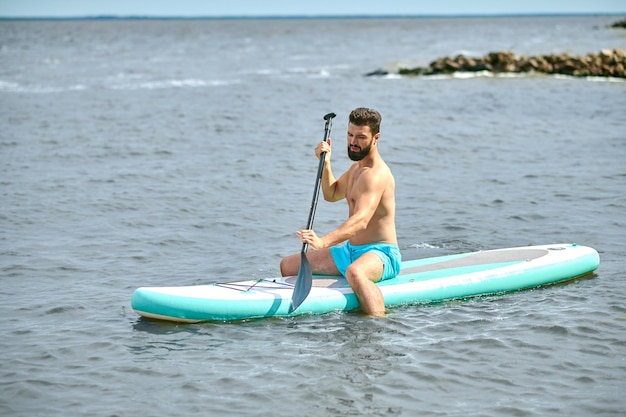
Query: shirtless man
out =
(364, 248)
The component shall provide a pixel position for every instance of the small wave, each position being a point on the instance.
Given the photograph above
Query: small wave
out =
(425, 245)
(476, 74)
(187, 83)
(489, 74)
(321, 74)
(297, 71)
(594, 79)
(266, 71)
(12, 87)
(392, 76)
(453, 245)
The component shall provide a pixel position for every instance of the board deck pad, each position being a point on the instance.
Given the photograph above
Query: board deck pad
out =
(420, 281)
(479, 258)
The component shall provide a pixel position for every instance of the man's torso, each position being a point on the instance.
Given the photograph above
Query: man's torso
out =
(381, 227)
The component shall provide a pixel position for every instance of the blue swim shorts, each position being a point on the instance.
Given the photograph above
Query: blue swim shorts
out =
(345, 253)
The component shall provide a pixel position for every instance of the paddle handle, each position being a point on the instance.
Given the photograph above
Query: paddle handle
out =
(318, 178)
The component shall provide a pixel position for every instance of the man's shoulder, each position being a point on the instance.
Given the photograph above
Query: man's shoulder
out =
(380, 168)
(379, 174)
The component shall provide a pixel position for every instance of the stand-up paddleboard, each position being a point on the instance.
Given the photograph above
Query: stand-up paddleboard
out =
(420, 281)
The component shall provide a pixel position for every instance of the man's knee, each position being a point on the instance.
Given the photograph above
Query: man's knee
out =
(288, 266)
(361, 271)
(354, 274)
(283, 267)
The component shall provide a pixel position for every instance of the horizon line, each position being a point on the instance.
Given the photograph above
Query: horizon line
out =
(304, 16)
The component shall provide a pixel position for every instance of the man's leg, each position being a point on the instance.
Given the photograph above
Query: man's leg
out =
(361, 275)
(321, 262)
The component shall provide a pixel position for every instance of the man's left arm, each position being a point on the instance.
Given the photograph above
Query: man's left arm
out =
(369, 191)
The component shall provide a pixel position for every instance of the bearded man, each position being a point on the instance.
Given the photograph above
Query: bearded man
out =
(364, 248)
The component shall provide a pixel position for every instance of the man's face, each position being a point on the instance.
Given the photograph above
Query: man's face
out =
(360, 141)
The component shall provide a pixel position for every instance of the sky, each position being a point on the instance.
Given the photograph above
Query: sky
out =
(254, 8)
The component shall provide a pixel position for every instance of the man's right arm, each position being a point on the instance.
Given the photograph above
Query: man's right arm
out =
(333, 189)
(330, 185)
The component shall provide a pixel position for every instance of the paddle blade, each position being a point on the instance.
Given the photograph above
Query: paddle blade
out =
(303, 283)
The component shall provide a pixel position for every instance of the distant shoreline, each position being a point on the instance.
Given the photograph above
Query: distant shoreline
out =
(305, 17)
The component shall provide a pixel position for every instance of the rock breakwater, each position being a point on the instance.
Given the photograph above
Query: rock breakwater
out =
(621, 24)
(606, 63)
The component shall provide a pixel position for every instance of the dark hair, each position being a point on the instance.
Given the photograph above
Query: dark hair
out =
(363, 116)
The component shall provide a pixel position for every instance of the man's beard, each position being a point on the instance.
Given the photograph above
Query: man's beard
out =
(357, 156)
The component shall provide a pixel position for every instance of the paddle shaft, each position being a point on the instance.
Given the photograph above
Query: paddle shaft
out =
(318, 178)
(304, 281)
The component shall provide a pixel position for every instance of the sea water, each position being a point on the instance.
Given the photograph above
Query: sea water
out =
(180, 152)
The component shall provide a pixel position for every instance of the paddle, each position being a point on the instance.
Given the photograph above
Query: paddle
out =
(305, 276)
